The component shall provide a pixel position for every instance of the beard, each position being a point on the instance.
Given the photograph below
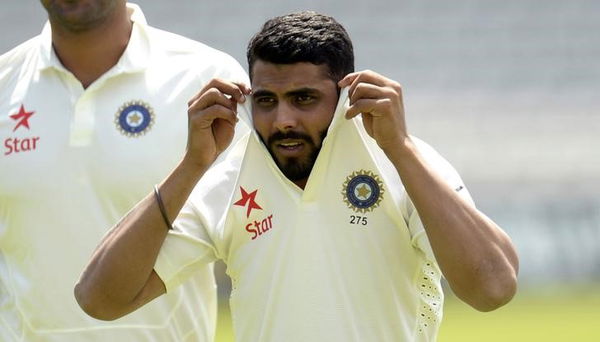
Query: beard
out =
(295, 168)
(78, 17)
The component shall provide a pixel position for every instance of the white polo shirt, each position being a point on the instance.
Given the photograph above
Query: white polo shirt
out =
(73, 161)
(347, 259)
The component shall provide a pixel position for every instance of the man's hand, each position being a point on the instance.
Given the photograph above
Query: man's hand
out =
(212, 115)
(379, 99)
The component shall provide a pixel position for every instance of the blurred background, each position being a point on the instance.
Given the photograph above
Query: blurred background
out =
(508, 91)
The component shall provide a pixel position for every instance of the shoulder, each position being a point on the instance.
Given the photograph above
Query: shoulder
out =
(20, 51)
(434, 158)
(202, 57)
(443, 167)
(16, 62)
(173, 43)
(18, 56)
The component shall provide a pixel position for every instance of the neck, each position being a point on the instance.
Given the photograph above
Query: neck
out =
(301, 183)
(90, 54)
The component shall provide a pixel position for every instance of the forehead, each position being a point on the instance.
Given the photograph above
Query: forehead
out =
(281, 78)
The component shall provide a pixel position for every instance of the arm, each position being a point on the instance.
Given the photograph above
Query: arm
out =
(475, 255)
(120, 277)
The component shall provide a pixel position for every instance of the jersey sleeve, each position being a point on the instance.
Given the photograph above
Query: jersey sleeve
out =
(186, 248)
(198, 236)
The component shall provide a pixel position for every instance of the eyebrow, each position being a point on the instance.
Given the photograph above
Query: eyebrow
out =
(299, 91)
(262, 92)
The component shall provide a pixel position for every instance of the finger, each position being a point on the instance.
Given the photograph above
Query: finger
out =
(205, 118)
(246, 90)
(348, 79)
(371, 91)
(365, 76)
(211, 97)
(374, 107)
(351, 77)
(370, 77)
(235, 90)
(202, 91)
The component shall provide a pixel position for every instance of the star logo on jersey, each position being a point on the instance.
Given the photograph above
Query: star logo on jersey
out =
(362, 191)
(22, 118)
(248, 199)
(134, 118)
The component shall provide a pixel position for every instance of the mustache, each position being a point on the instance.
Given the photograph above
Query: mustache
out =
(288, 135)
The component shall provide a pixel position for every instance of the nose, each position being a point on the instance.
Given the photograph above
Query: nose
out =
(285, 118)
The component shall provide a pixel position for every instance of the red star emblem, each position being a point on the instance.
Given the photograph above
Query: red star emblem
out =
(23, 117)
(248, 198)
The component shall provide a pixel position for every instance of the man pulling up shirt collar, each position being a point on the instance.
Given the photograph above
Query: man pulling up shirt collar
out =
(308, 262)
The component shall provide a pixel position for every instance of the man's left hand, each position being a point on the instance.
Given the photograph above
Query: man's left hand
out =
(379, 99)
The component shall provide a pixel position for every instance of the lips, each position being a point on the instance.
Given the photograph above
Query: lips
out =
(289, 147)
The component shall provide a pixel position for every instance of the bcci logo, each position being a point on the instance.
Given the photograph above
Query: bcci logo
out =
(134, 118)
(362, 191)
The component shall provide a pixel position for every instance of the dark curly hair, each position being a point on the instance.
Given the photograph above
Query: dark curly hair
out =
(303, 37)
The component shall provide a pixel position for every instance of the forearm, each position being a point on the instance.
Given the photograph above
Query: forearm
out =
(475, 255)
(119, 277)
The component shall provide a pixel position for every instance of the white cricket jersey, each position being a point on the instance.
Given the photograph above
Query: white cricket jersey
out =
(347, 259)
(73, 161)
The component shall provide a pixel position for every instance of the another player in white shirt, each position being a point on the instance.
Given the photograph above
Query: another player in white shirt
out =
(92, 115)
(334, 222)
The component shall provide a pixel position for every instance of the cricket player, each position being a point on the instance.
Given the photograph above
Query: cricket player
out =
(335, 223)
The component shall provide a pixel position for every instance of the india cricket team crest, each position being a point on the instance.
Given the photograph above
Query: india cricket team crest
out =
(134, 118)
(362, 191)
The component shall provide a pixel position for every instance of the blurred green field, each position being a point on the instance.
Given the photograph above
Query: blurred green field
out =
(544, 317)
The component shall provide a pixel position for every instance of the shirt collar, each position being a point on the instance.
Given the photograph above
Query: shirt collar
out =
(135, 57)
(47, 58)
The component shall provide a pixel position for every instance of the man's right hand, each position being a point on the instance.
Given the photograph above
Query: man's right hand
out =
(212, 115)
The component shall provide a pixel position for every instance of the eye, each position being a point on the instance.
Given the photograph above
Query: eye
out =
(264, 101)
(304, 99)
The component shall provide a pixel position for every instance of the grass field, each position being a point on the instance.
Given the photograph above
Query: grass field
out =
(542, 317)
(528, 318)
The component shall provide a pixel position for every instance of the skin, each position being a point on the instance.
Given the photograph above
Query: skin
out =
(88, 36)
(297, 101)
(475, 255)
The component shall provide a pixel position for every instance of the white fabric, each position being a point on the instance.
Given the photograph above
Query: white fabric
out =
(72, 174)
(318, 270)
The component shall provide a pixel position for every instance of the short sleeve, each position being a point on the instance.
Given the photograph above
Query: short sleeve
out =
(197, 237)
(186, 249)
